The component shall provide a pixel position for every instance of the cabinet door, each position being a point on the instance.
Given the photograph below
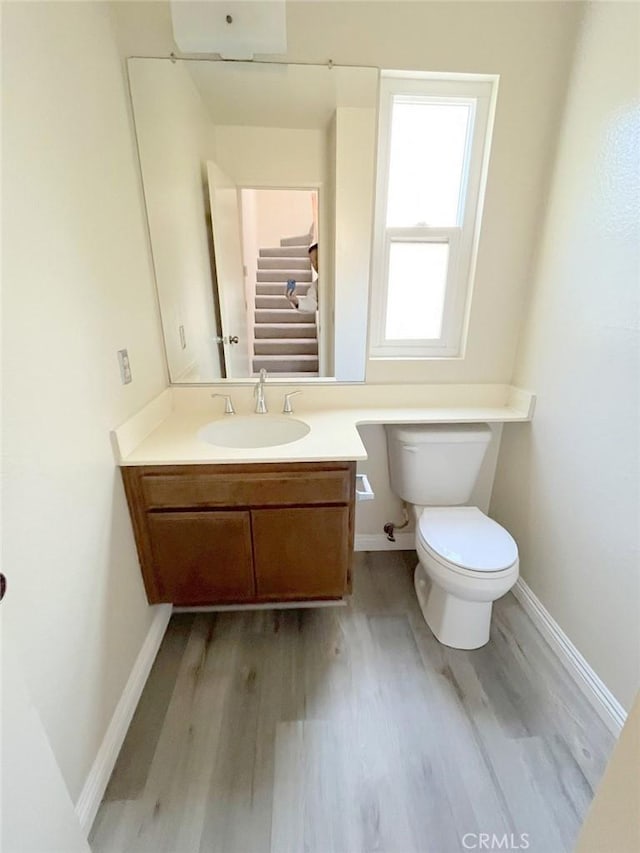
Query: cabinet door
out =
(301, 553)
(202, 557)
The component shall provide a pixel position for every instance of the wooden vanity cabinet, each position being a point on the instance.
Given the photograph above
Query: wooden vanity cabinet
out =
(233, 534)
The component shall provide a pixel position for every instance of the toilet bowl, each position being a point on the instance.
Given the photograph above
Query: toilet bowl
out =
(466, 560)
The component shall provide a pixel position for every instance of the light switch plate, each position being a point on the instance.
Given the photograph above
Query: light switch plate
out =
(125, 367)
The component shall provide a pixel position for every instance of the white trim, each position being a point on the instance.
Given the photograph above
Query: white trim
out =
(594, 689)
(379, 542)
(102, 768)
(479, 93)
(454, 76)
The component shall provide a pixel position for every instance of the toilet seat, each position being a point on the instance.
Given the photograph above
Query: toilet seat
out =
(466, 541)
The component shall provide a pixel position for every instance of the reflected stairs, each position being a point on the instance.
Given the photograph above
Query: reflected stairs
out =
(285, 341)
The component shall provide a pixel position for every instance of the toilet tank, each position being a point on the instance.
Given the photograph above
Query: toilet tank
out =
(436, 464)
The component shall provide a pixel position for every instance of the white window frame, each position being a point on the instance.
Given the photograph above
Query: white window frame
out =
(480, 92)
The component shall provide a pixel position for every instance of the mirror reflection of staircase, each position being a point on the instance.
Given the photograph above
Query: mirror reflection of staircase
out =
(285, 340)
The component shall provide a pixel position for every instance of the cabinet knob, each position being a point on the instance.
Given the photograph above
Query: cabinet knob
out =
(3, 586)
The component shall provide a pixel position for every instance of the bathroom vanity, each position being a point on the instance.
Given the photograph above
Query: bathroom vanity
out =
(243, 534)
(272, 524)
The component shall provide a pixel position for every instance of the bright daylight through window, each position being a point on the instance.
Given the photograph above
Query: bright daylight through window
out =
(433, 149)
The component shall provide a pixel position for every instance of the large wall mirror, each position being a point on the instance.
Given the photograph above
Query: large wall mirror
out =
(258, 182)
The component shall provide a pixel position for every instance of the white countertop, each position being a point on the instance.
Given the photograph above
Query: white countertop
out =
(166, 431)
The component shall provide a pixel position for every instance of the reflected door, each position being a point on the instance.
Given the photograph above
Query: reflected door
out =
(225, 223)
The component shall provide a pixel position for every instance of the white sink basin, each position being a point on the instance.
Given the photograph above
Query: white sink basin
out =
(253, 431)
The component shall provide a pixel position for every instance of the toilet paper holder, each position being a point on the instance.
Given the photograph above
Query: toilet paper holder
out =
(364, 492)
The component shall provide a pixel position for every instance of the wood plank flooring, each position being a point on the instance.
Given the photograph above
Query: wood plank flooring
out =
(351, 729)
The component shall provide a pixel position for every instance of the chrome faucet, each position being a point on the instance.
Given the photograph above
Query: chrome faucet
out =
(258, 393)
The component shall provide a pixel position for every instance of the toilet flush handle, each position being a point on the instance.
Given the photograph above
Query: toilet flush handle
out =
(410, 448)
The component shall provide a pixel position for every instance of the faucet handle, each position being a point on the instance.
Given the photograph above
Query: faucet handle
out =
(228, 405)
(287, 409)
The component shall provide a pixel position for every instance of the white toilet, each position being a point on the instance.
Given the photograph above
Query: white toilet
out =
(467, 560)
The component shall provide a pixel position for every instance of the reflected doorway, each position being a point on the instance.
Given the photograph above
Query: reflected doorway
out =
(279, 229)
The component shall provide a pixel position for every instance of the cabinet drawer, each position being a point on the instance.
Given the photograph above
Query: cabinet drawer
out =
(277, 488)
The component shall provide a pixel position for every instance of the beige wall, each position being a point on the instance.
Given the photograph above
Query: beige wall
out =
(355, 130)
(174, 138)
(77, 287)
(612, 824)
(567, 485)
(271, 156)
(530, 45)
(280, 215)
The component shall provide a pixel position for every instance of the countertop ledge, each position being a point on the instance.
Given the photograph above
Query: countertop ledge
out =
(165, 432)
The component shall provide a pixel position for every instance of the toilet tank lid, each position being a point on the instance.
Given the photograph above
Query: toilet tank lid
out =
(468, 538)
(445, 433)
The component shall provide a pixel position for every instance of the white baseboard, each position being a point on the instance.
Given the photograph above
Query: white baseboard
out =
(594, 689)
(379, 542)
(100, 773)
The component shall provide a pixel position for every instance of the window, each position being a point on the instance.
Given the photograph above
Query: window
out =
(433, 147)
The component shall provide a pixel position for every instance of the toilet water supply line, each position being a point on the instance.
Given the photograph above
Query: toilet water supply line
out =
(391, 526)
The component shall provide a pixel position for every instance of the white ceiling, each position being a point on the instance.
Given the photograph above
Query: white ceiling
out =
(286, 96)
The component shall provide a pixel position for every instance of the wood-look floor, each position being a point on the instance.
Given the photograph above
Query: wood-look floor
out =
(350, 729)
